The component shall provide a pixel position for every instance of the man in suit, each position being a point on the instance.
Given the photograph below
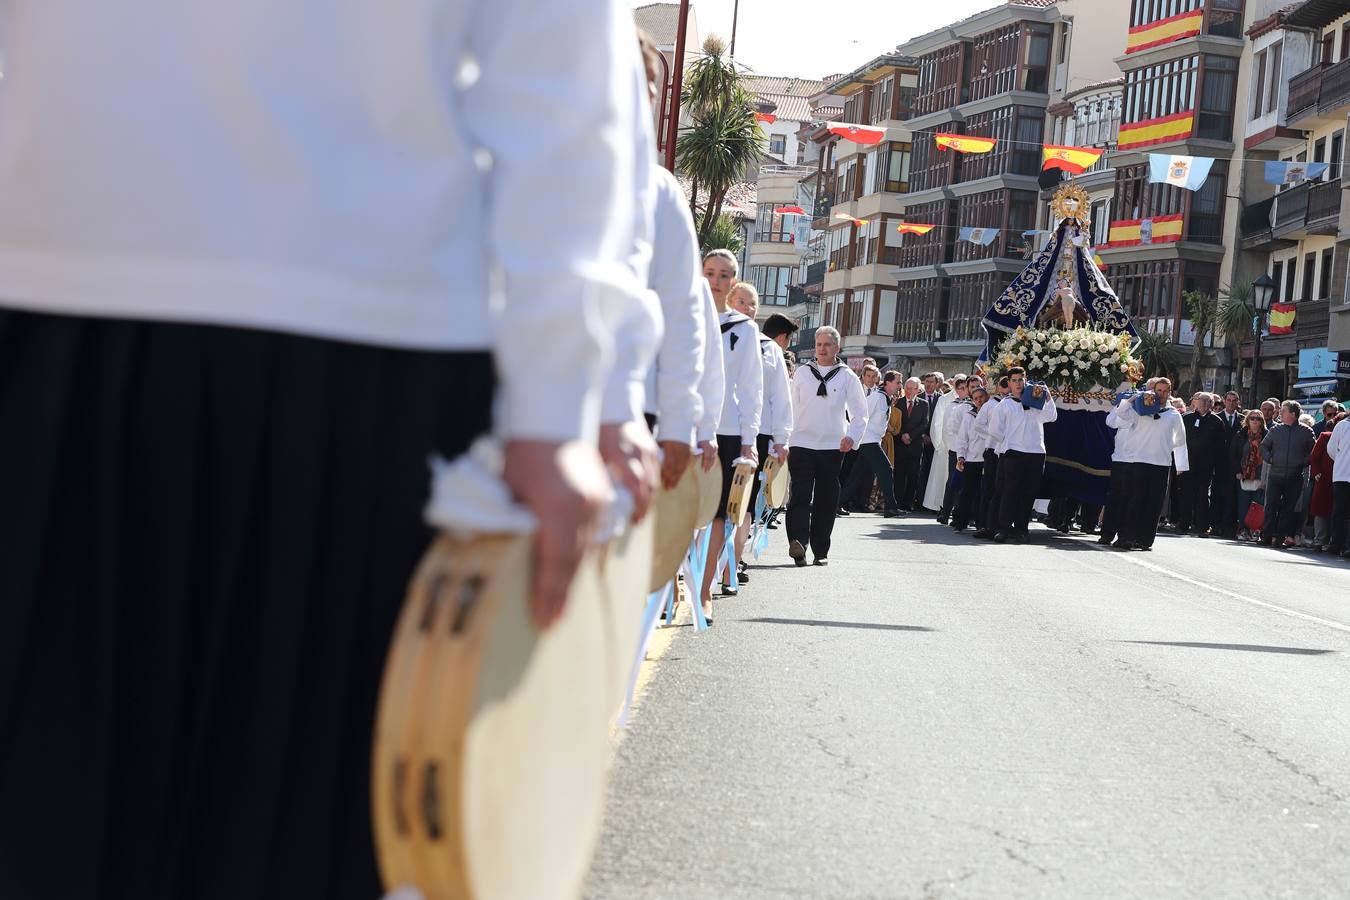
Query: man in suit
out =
(932, 390)
(1224, 491)
(909, 447)
(1207, 439)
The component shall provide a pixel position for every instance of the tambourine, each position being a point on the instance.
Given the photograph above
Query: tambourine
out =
(775, 482)
(742, 479)
(709, 491)
(491, 739)
(675, 513)
(1146, 404)
(625, 569)
(1034, 395)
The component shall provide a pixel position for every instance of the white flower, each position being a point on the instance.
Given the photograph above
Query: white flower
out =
(1094, 356)
(1064, 371)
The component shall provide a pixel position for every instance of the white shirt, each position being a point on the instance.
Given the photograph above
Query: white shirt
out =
(1160, 440)
(878, 416)
(743, 401)
(983, 430)
(820, 423)
(677, 277)
(939, 407)
(712, 386)
(952, 420)
(1023, 429)
(1338, 448)
(427, 175)
(970, 442)
(776, 418)
(1124, 451)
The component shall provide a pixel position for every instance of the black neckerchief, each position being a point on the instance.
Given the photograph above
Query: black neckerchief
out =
(727, 326)
(824, 379)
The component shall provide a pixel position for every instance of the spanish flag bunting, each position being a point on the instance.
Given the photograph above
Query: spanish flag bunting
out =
(964, 143)
(766, 118)
(1074, 160)
(1143, 232)
(1162, 130)
(1165, 31)
(848, 218)
(914, 228)
(1097, 259)
(858, 134)
(1282, 318)
(790, 210)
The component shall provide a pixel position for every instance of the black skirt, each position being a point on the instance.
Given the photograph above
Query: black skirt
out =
(205, 538)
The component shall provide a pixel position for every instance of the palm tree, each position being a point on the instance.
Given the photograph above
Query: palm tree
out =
(1233, 320)
(724, 137)
(725, 234)
(1156, 352)
(1202, 309)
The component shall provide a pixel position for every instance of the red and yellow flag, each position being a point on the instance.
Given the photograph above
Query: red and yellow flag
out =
(914, 228)
(1164, 31)
(1137, 232)
(848, 218)
(858, 134)
(766, 118)
(1074, 160)
(1282, 318)
(1176, 127)
(790, 210)
(964, 143)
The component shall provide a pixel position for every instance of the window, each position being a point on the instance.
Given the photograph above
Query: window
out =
(926, 249)
(1148, 290)
(939, 80)
(1324, 283)
(1320, 150)
(1138, 198)
(931, 167)
(869, 243)
(1336, 159)
(1020, 131)
(774, 227)
(1225, 18)
(1159, 90)
(1205, 221)
(845, 177)
(1277, 275)
(838, 245)
(1215, 119)
(869, 182)
(1328, 51)
(1309, 275)
(1290, 280)
(1036, 66)
(1259, 86)
(896, 167)
(916, 309)
(1101, 222)
(772, 282)
(882, 99)
(968, 301)
(886, 300)
(1276, 77)
(778, 145)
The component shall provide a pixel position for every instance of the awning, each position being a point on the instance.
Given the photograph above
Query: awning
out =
(1317, 385)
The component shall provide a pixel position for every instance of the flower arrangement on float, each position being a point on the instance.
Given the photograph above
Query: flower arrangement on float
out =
(1076, 363)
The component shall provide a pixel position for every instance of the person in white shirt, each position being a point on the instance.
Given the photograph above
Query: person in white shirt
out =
(822, 392)
(969, 444)
(775, 425)
(712, 383)
(1123, 458)
(1338, 448)
(258, 262)
(991, 439)
(1158, 441)
(943, 470)
(743, 398)
(1021, 429)
(872, 459)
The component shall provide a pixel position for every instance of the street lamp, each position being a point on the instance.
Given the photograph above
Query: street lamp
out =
(1263, 289)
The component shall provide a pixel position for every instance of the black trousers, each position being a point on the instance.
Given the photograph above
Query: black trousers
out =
(908, 486)
(1282, 493)
(813, 497)
(1340, 515)
(871, 462)
(968, 505)
(763, 444)
(1117, 500)
(949, 495)
(986, 514)
(1147, 489)
(1019, 478)
(1195, 506)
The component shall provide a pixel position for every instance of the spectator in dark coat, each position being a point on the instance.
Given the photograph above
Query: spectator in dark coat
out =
(1287, 447)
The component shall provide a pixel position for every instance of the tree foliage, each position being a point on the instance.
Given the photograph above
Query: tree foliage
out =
(724, 234)
(1202, 309)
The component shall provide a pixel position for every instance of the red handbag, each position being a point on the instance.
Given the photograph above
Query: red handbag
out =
(1255, 518)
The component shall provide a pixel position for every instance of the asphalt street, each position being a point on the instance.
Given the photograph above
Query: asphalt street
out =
(932, 716)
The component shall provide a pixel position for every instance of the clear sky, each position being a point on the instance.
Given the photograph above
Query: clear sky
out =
(814, 39)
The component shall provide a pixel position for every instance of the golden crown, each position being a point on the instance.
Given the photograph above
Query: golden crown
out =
(1072, 202)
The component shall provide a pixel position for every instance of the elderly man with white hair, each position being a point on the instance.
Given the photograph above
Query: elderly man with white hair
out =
(822, 391)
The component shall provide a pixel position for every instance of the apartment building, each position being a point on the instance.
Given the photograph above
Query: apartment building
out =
(989, 75)
(1297, 106)
(787, 106)
(1182, 61)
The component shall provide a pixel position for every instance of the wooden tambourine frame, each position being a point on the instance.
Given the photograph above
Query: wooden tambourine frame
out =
(709, 491)
(775, 483)
(738, 501)
(676, 514)
(491, 738)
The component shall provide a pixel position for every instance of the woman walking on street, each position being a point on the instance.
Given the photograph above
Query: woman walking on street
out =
(1245, 456)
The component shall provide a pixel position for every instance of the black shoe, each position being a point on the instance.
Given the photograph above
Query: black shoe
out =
(1065, 528)
(942, 520)
(742, 575)
(844, 512)
(1122, 544)
(821, 562)
(1104, 540)
(729, 591)
(959, 527)
(983, 534)
(1001, 537)
(1345, 554)
(892, 514)
(773, 526)
(797, 552)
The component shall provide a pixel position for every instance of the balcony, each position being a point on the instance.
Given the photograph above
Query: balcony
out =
(1321, 94)
(1314, 207)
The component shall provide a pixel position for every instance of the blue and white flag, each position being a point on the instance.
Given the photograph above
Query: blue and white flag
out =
(982, 236)
(1187, 172)
(1291, 172)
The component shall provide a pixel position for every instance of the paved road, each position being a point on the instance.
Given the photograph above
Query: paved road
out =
(936, 717)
